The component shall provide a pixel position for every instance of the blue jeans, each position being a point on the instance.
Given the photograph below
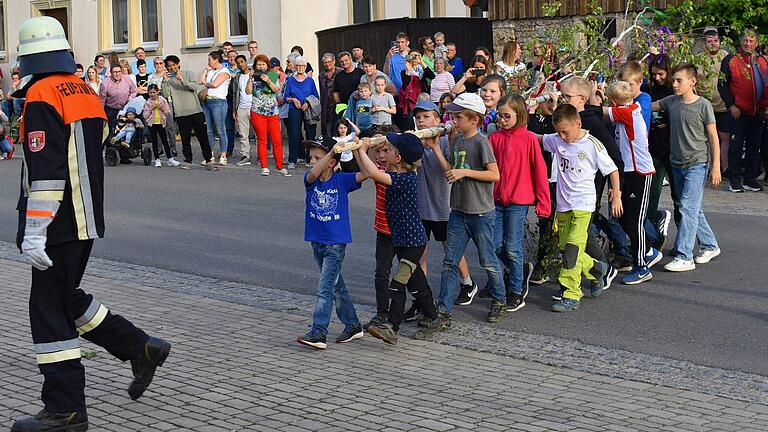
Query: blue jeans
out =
(461, 228)
(747, 133)
(125, 133)
(13, 108)
(215, 111)
(331, 288)
(5, 146)
(508, 240)
(295, 122)
(615, 233)
(693, 224)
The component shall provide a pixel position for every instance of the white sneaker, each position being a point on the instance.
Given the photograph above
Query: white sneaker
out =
(223, 160)
(265, 171)
(284, 172)
(679, 265)
(705, 256)
(173, 162)
(158, 164)
(291, 166)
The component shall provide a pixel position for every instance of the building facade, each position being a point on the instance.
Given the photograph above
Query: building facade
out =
(192, 28)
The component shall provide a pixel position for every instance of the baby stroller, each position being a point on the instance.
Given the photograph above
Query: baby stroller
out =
(122, 151)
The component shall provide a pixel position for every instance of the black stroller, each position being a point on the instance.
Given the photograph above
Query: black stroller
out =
(122, 152)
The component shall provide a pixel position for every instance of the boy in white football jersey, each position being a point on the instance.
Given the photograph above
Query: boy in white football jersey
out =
(578, 157)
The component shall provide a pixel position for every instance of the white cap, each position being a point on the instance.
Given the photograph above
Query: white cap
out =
(41, 34)
(470, 101)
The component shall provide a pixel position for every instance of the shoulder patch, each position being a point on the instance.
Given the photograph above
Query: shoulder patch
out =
(36, 141)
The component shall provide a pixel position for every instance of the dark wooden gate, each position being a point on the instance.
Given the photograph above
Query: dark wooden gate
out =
(375, 37)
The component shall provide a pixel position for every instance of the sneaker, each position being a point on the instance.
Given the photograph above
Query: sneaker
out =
(637, 276)
(736, 187)
(291, 166)
(412, 314)
(125, 145)
(565, 305)
(152, 356)
(705, 256)
(752, 186)
(515, 302)
(158, 163)
(48, 421)
(113, 140)
(497, 313)
(423, 322)
(652, 258)
(265, 171)
(679, 265)
(539, 277)
(300, 160)
(442, 322)
(350, 335)
(376, 320)
(663, 227)
(665, 182)
(173, 162)
(245, 160)
(223, 160)
(284, 172)
(384, 332)
(559, 296)
(466, 294)
(208, 162)
(315, 340)
(308, 165)
(621, 264)
(604, 274)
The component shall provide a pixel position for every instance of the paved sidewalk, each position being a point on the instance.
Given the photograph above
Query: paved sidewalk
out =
(236, 367)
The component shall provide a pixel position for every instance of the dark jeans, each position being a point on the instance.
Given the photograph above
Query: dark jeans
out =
(111, 116)
(746, 137)
(186, 124)
(158, 130)
(230, 125)
(416, 284)
(385, 252)
(295, 122)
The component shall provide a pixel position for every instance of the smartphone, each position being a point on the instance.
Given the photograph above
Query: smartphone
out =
(478, 72)
(392, 44)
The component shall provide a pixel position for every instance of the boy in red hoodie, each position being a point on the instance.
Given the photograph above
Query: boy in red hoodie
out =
(523, 182)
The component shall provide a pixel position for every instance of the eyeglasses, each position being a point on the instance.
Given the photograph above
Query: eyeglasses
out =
(158, 62)
(566, 97)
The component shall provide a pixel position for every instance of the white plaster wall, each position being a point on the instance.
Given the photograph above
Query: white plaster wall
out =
(83, 30)
(300, 20)
(456, 8)
(397, 8)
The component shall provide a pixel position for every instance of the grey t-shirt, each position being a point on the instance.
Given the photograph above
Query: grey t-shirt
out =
(387, 101)
(434, 190)
(468, 195)
(688, 138)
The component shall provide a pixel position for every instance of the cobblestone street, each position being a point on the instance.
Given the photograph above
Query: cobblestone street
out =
(235, 367)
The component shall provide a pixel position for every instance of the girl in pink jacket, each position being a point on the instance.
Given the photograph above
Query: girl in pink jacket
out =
(156, 111)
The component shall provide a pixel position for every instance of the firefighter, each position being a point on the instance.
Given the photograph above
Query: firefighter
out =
(63, 130)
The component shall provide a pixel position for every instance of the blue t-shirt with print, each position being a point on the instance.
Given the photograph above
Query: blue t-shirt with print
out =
(402, 207)
(326, 220)
(360, 114)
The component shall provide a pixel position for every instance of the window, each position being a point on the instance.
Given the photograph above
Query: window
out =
(361, 11)
(204, 17)
(238, 21)
(2, 30)
(120, 23)
(149, 33)
(422, 9)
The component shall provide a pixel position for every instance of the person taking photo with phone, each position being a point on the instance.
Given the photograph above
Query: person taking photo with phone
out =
(473, 78)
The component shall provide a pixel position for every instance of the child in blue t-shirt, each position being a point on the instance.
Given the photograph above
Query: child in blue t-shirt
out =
(408, 236)
(359, 110)
(326, 226)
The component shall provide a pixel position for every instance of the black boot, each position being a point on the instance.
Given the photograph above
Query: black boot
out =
(154, 354)
(46, 421)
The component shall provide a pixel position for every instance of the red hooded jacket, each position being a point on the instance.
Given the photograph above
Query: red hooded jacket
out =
(744, 82)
